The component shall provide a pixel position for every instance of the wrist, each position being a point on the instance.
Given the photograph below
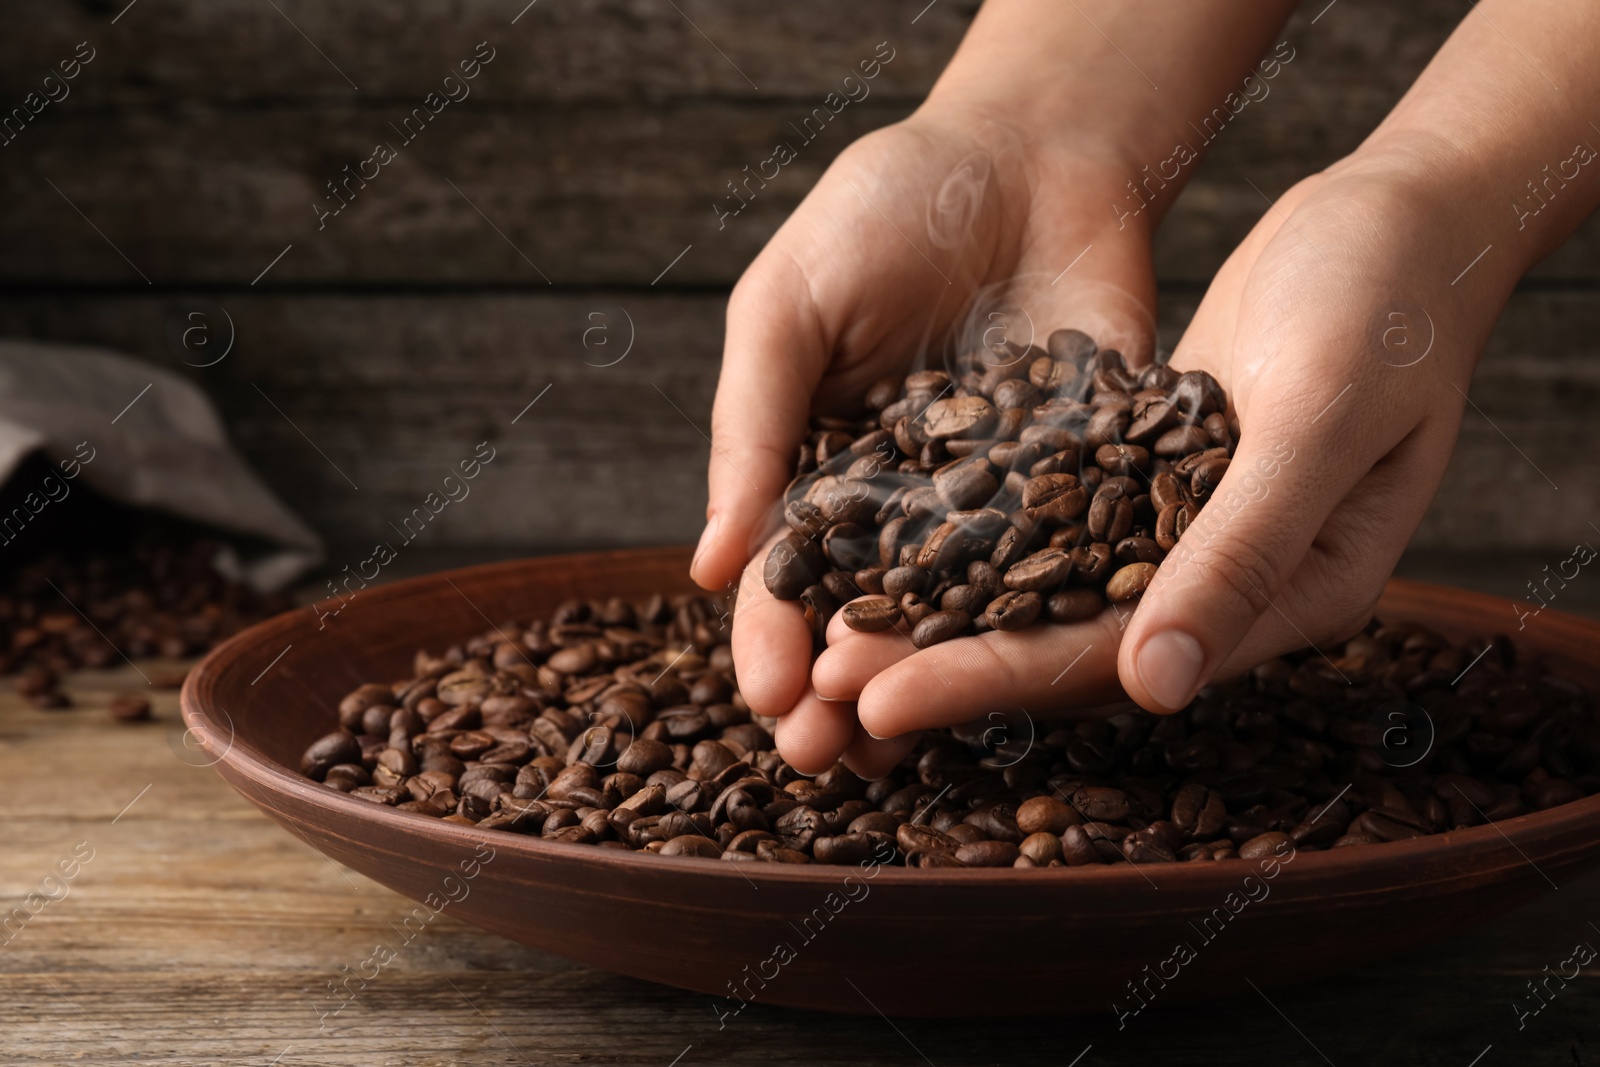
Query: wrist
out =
(1445, 221)
(1057, 77)
(1088, 169)
(1517, 207)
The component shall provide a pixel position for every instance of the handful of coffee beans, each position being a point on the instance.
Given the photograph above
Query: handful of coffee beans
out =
(620, 726)
(1033, 485)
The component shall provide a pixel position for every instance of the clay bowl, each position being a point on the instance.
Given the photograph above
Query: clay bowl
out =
(913, 943)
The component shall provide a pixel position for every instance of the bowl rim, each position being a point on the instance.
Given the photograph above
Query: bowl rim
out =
(1446, 856)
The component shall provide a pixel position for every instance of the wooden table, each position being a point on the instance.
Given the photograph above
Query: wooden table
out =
(202, 933)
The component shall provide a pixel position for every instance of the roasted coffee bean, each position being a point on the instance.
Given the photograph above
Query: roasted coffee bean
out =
(1013, 610)
(1121, 460)
(1137, 550)
(967, 485)
(805, 519)
(939, 626)
(1016, 393)
(691, 845)
(1385, 826)
(1146, 847)
(979, 522)
(1011, 546)
(1165, 490)
(340, 746)
(1074, 605)
(843, 850)
(1051, 376)
(1078, 849)
(1171, 524)
(1151, 416)
(1070, 536)
(1269, 845)
(899, 581)
(1054, 499)
(870, 615)
(868, 582)
(1110, 514)
(1042, 848)
(644, 757)
(846, 500)
(1130, 582)
(1184, 468)
(996, 821)
(1062, 461)
(1091, 564)
(984, 576)
(819, 606)
(967, 599)
(1049, 436)
(1040, 572)
(942, 549)
(1197, 394)
(1219, 431)
(1107, 425)
(914, 609)
(891, 537)
(988, 854)
(346, 776)
(967, 417)
(1207, 476)
(793, 564)
(1181, 441)
(1100, 804)
(912, 839)
(1198, 811)
(1046, 814)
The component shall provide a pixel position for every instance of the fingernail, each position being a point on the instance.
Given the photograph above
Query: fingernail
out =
(709, 535)
(832, 700)
(1169, 666)
(869, 733)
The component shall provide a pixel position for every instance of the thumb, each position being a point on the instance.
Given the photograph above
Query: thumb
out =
(773, 357)
(1231, 564)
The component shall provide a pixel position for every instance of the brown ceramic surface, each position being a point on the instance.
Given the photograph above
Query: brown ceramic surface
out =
(915, 943)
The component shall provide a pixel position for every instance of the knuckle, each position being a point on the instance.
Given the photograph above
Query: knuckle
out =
(1349, 611)
(1237, 568)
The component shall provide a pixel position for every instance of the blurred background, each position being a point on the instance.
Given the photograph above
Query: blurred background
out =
(553, 240)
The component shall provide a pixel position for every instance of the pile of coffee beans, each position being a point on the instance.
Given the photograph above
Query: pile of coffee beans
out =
(70, 611)
(89, 579)
(155, 599)
(1033, 485)
(620, 726)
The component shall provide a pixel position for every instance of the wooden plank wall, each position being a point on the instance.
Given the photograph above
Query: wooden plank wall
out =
(459, 283)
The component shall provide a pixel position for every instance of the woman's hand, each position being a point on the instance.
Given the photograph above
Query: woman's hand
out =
(876, 266)
(1345, 353)
(1344, 329)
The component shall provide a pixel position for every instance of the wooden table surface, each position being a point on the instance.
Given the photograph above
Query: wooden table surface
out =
(201, 933)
